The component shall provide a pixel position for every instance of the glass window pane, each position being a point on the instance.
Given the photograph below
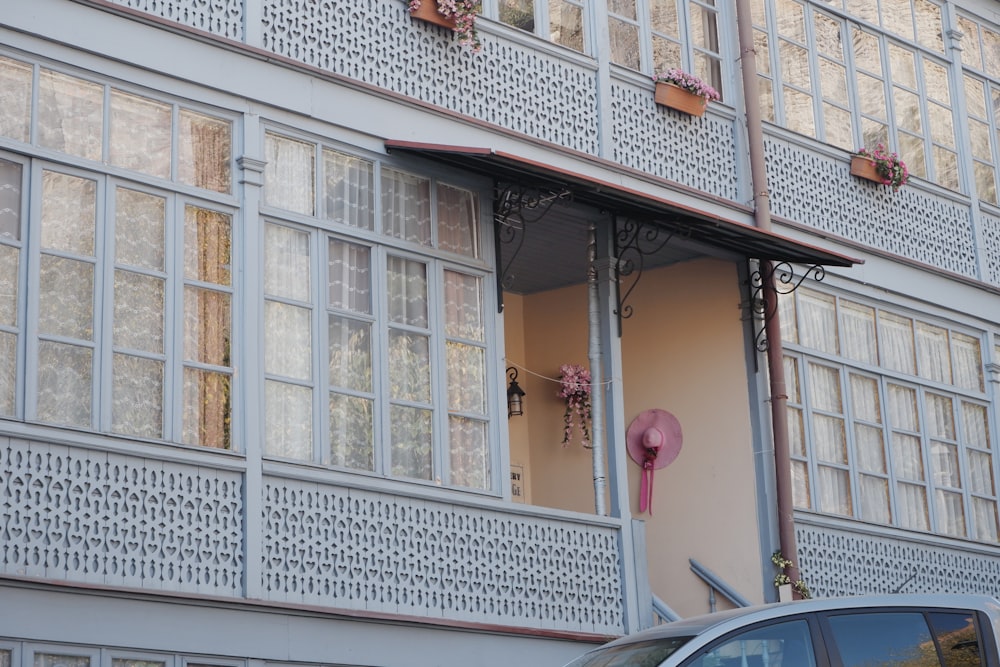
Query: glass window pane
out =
(950, 513)
(66, 298)
(911, 505)
(624, 43)
(350, 354)
(929, 26)
(286, 263)
(794, 64)
(70, 115)
(991, 52)
(566, 24)
(65, 381)
(10, 200)
(351, 434)
(944, 464)
(204, 151)
(349, 282)
(792, 379)
(800, 484)
(9, 269)
(349, 189)
(290, 174)
(139, 312)
(984, 516)
(971, 53)
(466, 378)
(791, 21)
(859, 339)
(207, 408)
(934, 354)
(458, 220)
(470, 464)
(786, 313)
(207, 245)
(140, 134)
(137, 396)
(207, 326)
(896, 343)
(871, 95)
(518, 13)
(15, 99)
(829, 439)
(907, 109)
(907, 458)
(69, 212)
(975, 425)
(56, 660)
(968, 361)
(903, 408)
(407, 286)
(867, 49)
(288, 418)
(834, 491)
(981, 473)
(940, 416)
(829, 35)
(663, 17)
(833, 81)
(463, 300)
(874, 493)
(824, 387)
(139, 229)
(796, 432)
(818, 321)
(865, 403)
(288, 340)
(869, 449)
(411, 442)
(406, 206)
(666, 54)
(409, 366)
(888, 639)
(8, 373)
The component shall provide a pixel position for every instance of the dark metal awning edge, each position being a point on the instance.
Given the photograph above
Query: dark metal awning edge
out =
(728, 235)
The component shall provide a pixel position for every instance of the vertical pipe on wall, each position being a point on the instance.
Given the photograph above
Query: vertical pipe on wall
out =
(596, 374)
(772, 325)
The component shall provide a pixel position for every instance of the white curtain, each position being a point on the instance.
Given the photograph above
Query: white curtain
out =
(406, 206)
(349, 189)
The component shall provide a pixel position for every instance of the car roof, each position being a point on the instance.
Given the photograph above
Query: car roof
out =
(721, 621)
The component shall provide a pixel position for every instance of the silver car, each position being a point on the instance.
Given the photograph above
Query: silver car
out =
(864, 631)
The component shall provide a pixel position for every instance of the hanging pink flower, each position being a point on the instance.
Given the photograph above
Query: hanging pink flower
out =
(574, 388)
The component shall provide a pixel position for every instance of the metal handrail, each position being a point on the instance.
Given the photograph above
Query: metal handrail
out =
(663, 610)
(715, 583)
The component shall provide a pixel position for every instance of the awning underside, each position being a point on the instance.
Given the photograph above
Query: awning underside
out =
(725, 235)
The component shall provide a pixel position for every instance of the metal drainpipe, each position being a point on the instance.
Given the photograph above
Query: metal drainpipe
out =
(596, 364)
(772, 326)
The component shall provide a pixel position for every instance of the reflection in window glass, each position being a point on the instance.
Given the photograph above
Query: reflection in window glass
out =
(566, 24)
(204, 151)
(887, 639)
(15, 99)
(786, 644)
(56, 660)
(70, 115)
(140, 134)
(518, 13)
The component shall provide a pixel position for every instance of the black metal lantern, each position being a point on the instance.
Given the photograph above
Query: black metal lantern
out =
(514, 394)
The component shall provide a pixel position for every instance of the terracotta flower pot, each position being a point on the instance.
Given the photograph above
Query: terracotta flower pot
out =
(864, 168)
(680, 99)
(429, 12)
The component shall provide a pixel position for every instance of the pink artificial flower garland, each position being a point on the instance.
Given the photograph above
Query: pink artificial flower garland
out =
(574, 387)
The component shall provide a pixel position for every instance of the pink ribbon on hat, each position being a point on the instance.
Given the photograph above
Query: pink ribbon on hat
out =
(653, 441)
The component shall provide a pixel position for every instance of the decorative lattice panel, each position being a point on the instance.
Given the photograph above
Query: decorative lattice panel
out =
(836, 562)
(97, 517)
(221, 17)
(376, 41)
(991, 247)
(697, 152)
(818, 191)
(360, 550)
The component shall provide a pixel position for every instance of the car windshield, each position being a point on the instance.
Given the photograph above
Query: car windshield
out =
(648, 653)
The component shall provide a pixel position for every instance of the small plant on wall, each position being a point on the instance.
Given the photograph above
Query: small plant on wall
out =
(574, 388)
(782, 578)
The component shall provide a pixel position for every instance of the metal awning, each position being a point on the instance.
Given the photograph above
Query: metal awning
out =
(682, 221)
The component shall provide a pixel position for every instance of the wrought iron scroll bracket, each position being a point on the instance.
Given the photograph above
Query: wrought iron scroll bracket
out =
(764, 306)
(514, 208)
(634, 241)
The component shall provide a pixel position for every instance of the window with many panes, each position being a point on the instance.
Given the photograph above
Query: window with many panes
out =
(889, 420)
(860, 74)
(115, 282)
(559, 21)
(981, 80)
(656, 35)
(375, 338)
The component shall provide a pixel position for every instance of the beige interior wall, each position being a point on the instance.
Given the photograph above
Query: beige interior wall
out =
(520, 453)
(683, 352)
